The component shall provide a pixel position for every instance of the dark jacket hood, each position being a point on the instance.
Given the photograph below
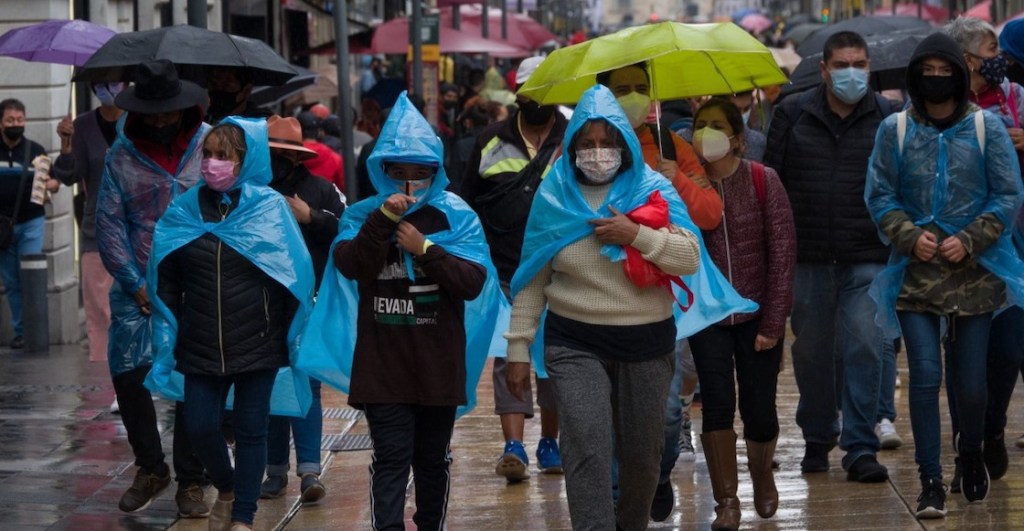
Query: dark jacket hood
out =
(944, 47)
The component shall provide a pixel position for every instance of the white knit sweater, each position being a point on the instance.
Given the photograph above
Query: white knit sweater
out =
(582, 284)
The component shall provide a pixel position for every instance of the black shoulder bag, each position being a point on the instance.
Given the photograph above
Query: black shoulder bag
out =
(7, 223)
(505, 207)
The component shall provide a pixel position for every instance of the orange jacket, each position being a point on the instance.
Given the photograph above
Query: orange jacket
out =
(703, 204)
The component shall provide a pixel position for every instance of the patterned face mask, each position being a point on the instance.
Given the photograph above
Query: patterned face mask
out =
(994, 69)
(600, 165)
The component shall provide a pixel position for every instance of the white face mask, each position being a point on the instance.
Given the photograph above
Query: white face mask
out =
(600, 165)
(711, 144)
(636, 106)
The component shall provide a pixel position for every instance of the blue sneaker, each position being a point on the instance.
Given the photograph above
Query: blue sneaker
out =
(513, 464)
(549, 458)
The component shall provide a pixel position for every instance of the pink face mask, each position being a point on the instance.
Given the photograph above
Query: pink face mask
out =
(218, 174)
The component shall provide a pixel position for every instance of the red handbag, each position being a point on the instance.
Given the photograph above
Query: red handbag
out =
(653, 214)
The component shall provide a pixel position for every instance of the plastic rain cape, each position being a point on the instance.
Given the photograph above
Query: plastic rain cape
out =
(143, 190)
(918, 182)
(262, 228)
(330, 338)
(560, 216)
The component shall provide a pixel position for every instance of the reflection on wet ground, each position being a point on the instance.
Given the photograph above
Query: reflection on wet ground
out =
(64, 462)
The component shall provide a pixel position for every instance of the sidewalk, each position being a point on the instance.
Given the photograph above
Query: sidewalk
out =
(64, 462)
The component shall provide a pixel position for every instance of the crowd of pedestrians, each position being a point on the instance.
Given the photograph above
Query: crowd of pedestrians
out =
(618, 261)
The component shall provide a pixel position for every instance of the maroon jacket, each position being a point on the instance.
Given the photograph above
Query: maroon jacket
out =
(755, 247)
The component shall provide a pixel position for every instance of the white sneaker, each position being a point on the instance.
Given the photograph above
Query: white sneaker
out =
(115, 408)
(887, 436)
(899, 383)
(687, 454)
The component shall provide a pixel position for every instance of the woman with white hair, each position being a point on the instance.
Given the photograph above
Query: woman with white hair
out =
(990, 90)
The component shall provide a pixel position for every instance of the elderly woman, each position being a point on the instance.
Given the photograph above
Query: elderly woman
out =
(608, 343)
(991, 91)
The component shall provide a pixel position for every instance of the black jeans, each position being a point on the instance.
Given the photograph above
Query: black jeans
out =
(722, 352)
(1005, 361)
(404, 436)
(139, 417)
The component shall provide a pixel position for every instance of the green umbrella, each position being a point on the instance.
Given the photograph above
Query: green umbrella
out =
(684, 60)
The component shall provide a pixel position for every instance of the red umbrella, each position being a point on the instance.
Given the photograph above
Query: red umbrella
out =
(936, 16)
(981, 10)
(523, 31)
(392, 37)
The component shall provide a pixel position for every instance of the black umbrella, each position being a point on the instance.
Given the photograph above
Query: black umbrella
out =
(192, 49)
(266, 95)
(889, 54)
(866, 25)
(800, 32)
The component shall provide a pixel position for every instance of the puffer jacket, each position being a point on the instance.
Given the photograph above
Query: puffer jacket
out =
(755, 247)
(822, 161)
(232, 317)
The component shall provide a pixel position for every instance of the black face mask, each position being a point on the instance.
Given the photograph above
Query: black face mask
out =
(222, 103)
(937, 89)
(449, 104)
(535, 113)
(281, 167)
(158, 135)
(14, 133)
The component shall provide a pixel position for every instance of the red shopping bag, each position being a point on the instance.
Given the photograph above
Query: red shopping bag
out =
(653, 214)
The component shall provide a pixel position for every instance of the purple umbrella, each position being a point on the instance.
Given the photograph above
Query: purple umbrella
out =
(66, 42)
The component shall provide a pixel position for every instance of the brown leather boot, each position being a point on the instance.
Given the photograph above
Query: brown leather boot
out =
(720, 452)
(759, 461)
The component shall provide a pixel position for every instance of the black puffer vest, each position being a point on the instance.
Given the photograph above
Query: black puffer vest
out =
(232, 317)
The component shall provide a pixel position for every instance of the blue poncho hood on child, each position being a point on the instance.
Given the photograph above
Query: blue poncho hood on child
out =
(330, 337)
(261, 228)
(560, 216)
(917, 181)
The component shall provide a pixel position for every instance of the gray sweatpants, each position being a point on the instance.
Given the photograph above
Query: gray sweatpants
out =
(595, 397)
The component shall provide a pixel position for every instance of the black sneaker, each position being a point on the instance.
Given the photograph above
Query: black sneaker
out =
(311, 488)
(143, 490)
(664, 502)
(274, 486)
(18, 343)
(996, 460)
(815, 458)
(974, 485)
(932, 501)
(958, 475)
(867, 469)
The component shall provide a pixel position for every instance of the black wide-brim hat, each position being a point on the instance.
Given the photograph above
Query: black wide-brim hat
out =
(158, 89)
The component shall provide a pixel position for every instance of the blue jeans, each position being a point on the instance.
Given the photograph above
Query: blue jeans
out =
(205, 398)
(887, 395)
(837, 356)
(28, 239)
(966, 351)
(307, 433)
(673, 416)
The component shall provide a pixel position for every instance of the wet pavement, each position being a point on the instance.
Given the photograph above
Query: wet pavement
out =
(64, 462)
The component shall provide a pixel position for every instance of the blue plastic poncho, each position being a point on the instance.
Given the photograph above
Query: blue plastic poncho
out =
(330, 338)
(560, 216)
(133, 194)
(942, 177)
(261, 228)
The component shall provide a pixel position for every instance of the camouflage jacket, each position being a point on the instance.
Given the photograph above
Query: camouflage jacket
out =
(939, 286)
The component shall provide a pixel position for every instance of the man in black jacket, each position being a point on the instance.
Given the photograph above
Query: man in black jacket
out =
(819, 143)
(528, 141)
(317, 204)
